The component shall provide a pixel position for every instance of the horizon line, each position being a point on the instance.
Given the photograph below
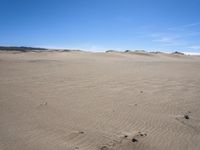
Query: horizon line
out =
(89, 50)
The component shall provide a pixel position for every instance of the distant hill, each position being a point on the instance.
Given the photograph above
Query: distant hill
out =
(135, 51)
(21, 48)
(178, 53)
(28, 49)
(111, 51)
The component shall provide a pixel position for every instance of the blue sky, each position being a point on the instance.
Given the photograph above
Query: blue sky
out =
(165, 25)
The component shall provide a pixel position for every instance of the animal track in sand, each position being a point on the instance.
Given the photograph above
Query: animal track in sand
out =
(123, 139)
(75, 148)
(43, 104)
(74, 134)
(189, 121)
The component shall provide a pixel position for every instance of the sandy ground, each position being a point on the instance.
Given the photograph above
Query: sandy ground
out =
(105, 101)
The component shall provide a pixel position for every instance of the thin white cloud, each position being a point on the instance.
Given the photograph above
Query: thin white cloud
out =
(191, 25)
(195, 47)
(179, 36)
(183, 27)
(169, 40)
(156, 35)
(193, 34)
(164, 40)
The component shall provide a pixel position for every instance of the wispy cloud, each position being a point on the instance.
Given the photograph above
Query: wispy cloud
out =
(181, 37)
(195, 47)
(171, 42)
(191, 25)
(193, 33)
(167, 39)
(183, 27)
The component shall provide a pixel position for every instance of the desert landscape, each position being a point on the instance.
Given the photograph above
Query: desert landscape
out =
(51, 100)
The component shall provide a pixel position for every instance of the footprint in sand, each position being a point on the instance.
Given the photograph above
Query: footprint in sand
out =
(104, 148)
(73, 135)
(123, 139)
(189, 121)
(43, 104)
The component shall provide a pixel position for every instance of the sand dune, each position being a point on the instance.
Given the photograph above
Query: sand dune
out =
(99, 101)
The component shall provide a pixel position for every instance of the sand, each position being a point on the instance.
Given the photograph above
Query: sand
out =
(105, 101)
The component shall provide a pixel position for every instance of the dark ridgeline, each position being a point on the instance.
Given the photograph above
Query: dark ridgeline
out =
(21, 48)
(36, 49)
(178, 53)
